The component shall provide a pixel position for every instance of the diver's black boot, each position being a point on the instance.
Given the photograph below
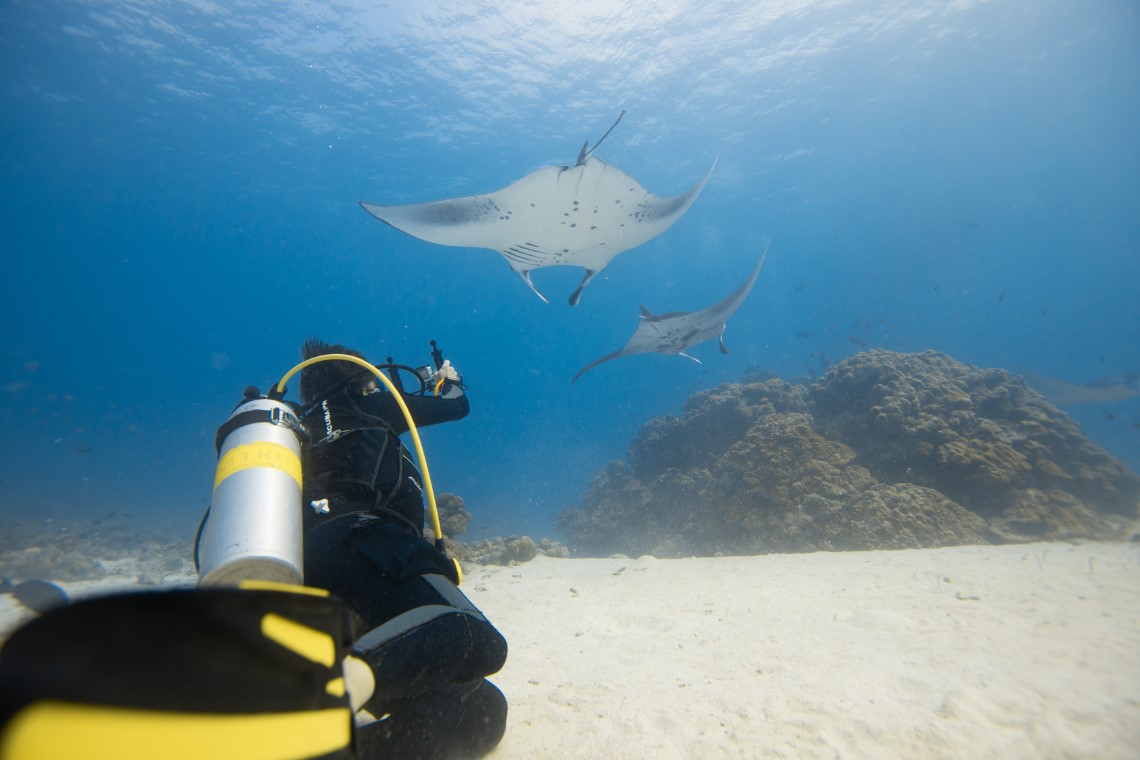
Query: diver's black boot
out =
(421, 632)
(460, 721)
(441, 639)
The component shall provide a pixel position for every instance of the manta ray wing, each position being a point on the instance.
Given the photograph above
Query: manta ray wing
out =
(574, 216)
(1064, 393)
(675, 332)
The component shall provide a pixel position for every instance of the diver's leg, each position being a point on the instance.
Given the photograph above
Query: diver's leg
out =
(463, 720)
(421, 632)
(440, 639)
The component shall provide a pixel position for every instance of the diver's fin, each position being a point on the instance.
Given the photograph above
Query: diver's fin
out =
(180, 673)
(40, 596)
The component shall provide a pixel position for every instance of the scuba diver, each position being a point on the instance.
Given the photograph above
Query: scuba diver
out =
(378, 655)
(428, 646)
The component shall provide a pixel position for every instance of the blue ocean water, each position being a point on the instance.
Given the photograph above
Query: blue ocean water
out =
(179, 211)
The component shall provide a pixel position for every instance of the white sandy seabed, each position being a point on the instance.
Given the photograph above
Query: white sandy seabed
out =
(1021, 651)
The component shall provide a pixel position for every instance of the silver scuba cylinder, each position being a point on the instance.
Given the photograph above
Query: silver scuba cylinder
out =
(253, 531)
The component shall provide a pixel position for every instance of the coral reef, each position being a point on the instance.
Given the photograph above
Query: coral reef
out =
(453, 514)
(117, 547)
(505, 551)
(886, 450)
(453, 518)
(93, 549)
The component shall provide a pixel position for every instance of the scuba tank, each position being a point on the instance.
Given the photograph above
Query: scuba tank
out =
(253, 528)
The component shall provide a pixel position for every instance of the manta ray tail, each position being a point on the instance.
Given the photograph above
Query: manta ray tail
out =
(582, 154)
(595, 363)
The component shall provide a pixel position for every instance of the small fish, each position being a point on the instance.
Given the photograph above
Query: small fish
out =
(857, 340)
(804, 334)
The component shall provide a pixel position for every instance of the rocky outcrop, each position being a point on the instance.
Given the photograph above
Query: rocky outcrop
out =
(511, 550)
(887, 450)
(453, 514)
(982, 437)
(93, 549)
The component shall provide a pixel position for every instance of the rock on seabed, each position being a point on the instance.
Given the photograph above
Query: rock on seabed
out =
(885, 451)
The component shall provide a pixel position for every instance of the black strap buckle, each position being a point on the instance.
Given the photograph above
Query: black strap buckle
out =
(274, 416)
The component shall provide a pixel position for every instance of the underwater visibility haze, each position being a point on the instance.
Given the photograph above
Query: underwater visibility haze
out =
(180, 211)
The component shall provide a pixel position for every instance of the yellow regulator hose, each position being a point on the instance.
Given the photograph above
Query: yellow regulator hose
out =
(436, 527)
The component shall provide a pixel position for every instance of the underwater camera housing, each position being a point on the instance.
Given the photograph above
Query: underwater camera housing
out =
(253, 529)
(425, 373)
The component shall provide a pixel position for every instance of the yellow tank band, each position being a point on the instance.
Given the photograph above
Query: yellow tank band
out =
(61, 729)
(260, 454)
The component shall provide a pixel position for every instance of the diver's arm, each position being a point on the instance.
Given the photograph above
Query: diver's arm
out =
(426, 409)
(432, 410)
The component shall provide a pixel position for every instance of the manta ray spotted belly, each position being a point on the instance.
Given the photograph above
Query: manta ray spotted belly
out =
(583, 216)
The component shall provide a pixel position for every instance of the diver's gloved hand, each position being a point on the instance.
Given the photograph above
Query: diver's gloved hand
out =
(447, 372)
(449, 383)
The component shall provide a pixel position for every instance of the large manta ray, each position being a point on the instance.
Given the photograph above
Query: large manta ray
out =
(581, 216)
(678, 331)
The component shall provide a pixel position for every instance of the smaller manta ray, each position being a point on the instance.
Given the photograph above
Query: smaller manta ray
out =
(582, 216)
(677, 331)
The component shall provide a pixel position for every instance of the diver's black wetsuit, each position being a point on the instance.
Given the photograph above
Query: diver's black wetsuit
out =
(357, 460)
(428, 646)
